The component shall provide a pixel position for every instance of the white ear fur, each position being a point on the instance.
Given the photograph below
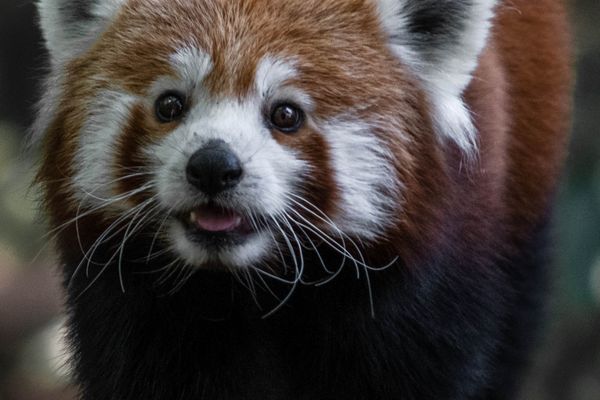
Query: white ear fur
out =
(71, 26)
(441, 40)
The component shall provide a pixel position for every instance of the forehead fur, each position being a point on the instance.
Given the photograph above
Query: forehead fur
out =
(333, 41)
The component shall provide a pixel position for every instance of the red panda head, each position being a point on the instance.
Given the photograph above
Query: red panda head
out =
(229, 129)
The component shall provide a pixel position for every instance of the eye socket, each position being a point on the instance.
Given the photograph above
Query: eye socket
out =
(287, 118)
(169, 107)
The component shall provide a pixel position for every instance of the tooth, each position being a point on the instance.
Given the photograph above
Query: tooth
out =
(193, 216)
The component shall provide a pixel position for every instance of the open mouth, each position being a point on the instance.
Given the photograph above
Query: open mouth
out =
(216, 226)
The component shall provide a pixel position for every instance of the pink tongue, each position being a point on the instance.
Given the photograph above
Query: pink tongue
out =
(212, 221)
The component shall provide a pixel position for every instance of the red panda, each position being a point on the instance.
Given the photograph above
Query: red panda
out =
(302, 199)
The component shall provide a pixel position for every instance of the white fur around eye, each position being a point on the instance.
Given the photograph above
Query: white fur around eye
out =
(271, 82)
(272, 73)
(190, 66)
(269, 173)
(270, 169)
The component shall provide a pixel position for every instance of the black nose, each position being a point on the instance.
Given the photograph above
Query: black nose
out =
(214, 168)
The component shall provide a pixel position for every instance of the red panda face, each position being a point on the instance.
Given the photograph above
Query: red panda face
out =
(229, 130)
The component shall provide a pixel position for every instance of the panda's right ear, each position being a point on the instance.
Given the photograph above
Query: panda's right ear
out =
(71, 26)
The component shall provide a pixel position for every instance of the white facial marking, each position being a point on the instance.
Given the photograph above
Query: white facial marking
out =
(272, 76)
(272, 73)
(255, 248)
(98, 145)
(268, 167)
(270, 170)
(365, 174)
(190, 66)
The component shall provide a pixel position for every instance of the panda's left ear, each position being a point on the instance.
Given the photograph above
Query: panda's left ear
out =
(71, 26)
(441, 40)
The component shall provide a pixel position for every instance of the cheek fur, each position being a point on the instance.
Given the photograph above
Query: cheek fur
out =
(97, 143)
(363, 169)
(350, 180)
(131, 166)
(317, 188)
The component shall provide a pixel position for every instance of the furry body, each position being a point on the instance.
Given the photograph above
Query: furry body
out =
(454, 314)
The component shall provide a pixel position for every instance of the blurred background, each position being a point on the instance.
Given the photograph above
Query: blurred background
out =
(567, 364)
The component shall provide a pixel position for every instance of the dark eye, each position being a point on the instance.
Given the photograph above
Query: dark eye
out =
(287, 118)
(170, 107)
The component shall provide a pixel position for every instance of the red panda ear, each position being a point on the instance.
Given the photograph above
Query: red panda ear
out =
(70, 26)
(441, 41)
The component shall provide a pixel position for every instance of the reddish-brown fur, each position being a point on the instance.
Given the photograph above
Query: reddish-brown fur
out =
(484, 210)
(519, 98)
(351, 28)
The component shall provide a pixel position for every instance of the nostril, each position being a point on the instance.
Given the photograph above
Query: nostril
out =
(214, 168)
(232, 176)
(193, 172)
